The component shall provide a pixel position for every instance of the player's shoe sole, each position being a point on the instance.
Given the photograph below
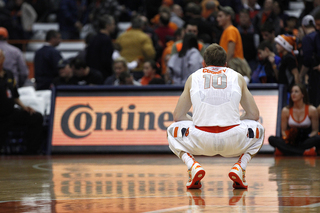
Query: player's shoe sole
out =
(237, 175)
(196, 173)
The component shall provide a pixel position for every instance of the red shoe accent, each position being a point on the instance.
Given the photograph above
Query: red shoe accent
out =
(310, 152)
(196, 173)
(278, 152)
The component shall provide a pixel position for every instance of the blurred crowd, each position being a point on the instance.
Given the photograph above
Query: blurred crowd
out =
(166, 40)
(265, 40)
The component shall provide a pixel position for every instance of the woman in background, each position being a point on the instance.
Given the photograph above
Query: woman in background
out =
(187, 61)
(299, 126)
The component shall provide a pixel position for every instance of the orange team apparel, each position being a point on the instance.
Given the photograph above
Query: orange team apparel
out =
(166, 51)
(146, 80)
(232, 34)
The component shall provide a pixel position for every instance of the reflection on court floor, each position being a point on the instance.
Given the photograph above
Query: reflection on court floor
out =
(155, 183)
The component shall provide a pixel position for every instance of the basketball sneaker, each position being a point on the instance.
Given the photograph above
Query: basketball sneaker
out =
(196, 173)
(310, 152)
(237, 175)
(195, 197)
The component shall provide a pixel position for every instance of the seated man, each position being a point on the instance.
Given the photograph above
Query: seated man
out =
(13, 117)
(85, 75)
(65, 74)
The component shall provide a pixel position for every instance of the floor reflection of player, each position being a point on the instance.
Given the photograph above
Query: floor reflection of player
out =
(195, 197)
(238, 198)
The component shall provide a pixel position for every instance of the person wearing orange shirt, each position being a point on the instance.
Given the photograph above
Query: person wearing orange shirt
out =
(231, 42)
(150, 72)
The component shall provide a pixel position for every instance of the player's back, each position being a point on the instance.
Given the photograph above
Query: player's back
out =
(215, 96)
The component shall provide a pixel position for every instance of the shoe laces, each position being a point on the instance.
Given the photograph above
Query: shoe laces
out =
(189, 171)
(243, 175)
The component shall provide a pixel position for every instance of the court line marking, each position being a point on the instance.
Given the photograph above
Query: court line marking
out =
(38, 166)
(198, 207)
(102, 198)
(312, 205)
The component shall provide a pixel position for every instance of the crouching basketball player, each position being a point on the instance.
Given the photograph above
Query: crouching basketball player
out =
(216, 126)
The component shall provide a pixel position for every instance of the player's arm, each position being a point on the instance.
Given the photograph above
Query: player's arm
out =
(313, 114)
(295, 73)
(247, 102)
(184, 103)
(284, 121)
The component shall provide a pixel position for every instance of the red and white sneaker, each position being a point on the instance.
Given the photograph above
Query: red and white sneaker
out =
(237, 175)
(196, 173)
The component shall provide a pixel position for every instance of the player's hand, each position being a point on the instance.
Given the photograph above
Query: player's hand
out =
(29, 110)
(317, 68)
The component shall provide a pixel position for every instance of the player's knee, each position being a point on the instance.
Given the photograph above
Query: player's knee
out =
(170, 129)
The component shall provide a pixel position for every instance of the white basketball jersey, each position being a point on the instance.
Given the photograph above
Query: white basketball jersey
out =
(215, 96)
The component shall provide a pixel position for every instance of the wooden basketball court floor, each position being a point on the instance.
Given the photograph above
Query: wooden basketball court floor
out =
(155, 183)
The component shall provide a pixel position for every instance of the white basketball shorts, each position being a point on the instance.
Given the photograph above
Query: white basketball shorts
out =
(247, 137)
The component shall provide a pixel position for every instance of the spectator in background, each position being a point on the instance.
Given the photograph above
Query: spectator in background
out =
(280, 16)
(13, 117)
(164, 32)
(85, 75)
(212, 7)
(5, 18)
(177, 15)
(288, 69)
(178, 35)
(71, 18)
(184, 63)
(291, 26)
(46, 60)
(83, 53)
(189, 28)
(208, 7)
(268, 34)
(14, 60)
(100, 49)
(126, 78)
(316, 7)
(146, 28)
(231, 42)
(150, 70)
(267, 15)
(236, 5)
(250, 38)
(119, 66)
(204, 27)
(299, 126)
(23, 16)
(253, 7)
(267, 70)
(65, 74)
(98, 8)
(317, 21)
(311, 58)
(136, 45)
(156, 19)
(27, 15)
(42, 8)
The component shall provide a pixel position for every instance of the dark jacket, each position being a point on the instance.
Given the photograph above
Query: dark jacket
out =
(99, 54)
(8, 92)
(45, 66)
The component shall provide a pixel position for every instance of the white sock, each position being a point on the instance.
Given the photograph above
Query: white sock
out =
(187, 159)
(244, 160)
